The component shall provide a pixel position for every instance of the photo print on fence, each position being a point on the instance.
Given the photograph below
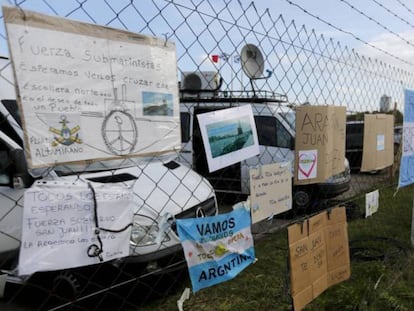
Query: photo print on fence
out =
(229, 136)
(319, 144)
(216, 248)
(91, 92)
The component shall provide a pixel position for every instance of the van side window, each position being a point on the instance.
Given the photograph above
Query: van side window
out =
(284, 139)
(4, 165)
(271, 132)
(266, 130)
(185, 126)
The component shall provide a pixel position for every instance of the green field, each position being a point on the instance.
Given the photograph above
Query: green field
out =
(382, 268)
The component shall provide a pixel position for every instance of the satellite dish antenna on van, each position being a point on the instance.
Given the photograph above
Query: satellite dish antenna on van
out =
(252, 63)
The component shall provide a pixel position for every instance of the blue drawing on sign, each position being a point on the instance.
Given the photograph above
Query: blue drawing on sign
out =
(407, 159)
(216, 248)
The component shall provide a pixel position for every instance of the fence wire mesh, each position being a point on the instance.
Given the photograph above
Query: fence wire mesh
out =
(300, 67)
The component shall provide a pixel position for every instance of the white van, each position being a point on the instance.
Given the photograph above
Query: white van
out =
(275, 123)
(161, 189)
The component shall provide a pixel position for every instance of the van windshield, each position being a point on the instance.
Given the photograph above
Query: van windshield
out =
(290, 118)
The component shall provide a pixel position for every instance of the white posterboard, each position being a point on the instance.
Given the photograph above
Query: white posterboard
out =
(58, 226)
(229, 136)
(371, 203)
(308, 164)
(271, 190)
(89, 92)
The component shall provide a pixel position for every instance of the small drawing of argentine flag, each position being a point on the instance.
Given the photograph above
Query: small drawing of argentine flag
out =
(216, 248)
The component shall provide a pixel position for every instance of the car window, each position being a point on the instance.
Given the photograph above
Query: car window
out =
(185, 126)
(4, 164)
(271, 132)
(11, 106)
(8, 129)
(290, 118)
(266, 130)
(283, 136)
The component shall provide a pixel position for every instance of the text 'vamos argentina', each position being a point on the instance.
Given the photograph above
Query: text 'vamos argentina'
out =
(217, 230)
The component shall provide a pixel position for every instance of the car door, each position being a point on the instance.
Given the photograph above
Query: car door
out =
(276, 144)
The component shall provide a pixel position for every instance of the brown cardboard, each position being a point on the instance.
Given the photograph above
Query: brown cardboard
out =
(317, 246)
(338, 275)
(336, 240)
(302, 299)
(299, 257)
(320, 143)
(337, 246)
(319, 255)
(378, 149)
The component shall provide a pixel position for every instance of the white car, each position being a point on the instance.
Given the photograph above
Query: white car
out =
(162, 191)
(275, 125)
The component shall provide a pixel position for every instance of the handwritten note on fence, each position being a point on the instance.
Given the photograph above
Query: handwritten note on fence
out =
(320, 143)
(319, 255)
(59, 225)
(271, 190)
(90, 92)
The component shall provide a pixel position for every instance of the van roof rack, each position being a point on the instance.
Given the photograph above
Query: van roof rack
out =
(232, 97)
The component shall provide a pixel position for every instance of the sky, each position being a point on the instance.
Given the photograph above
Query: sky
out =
(376, 28)
(382, 29)
(379, 29)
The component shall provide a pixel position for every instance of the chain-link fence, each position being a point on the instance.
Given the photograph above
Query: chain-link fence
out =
(299, 67)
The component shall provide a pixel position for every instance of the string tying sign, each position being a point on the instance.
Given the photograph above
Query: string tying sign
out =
(69, 225)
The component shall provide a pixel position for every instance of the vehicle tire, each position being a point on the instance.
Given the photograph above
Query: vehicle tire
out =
(67, 285)
(301, 200)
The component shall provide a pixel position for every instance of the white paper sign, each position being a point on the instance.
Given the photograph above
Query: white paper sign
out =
(90, 92)
(380, 142)
(271, 190)
(408, 139)
(229, 136)
(371, 203)
(58, 225)
(308, 164)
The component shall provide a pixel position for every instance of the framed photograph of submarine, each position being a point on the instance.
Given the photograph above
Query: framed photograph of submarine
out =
(229, 136)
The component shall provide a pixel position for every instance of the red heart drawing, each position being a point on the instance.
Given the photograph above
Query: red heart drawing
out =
(190, 254)
(307, 170)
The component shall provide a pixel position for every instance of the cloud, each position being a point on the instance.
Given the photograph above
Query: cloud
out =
(394, 46)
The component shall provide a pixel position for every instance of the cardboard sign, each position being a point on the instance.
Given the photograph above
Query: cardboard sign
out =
(319, 144)
(59, 225)
(229, 136)
(216, 248)
(337, 246)
(371, 203)
(319, 255)
(307, 255)
(378, 149)
(407, 158)
(88, 92)
(271, 190)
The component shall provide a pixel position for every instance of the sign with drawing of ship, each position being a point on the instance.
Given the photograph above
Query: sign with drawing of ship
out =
(68, 75)
(229, 136)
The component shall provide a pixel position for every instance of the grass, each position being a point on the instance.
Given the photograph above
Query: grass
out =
(382, 269)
